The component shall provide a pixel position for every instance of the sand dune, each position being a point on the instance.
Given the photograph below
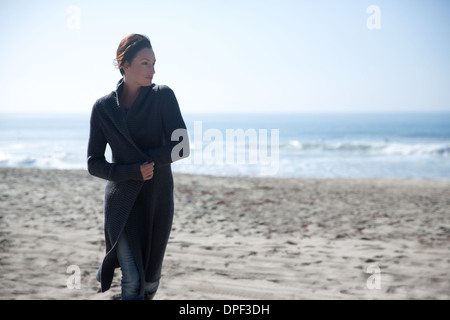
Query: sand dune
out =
(236, 238)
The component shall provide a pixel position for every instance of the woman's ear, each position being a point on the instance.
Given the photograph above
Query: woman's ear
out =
(126, 66)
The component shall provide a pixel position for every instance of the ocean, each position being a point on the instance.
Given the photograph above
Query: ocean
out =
(309, 145)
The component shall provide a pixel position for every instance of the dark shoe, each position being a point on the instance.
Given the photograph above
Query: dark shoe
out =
(149, 296)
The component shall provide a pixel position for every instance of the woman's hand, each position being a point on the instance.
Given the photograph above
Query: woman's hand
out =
(147, 170)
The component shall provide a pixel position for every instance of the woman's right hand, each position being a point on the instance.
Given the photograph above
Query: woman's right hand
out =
(147, 170)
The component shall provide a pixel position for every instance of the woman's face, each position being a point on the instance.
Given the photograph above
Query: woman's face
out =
(141, 69)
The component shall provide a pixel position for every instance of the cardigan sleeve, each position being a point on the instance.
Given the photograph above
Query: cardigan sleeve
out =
(97, 164)
(171, 121)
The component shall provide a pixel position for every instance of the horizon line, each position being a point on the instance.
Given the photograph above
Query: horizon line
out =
(36, 113)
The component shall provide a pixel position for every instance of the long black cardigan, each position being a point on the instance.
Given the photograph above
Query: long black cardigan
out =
(141, 133)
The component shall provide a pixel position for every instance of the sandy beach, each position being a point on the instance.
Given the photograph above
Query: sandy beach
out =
(236, 238)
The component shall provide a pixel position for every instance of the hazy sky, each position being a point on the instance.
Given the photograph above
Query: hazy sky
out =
(246, 55)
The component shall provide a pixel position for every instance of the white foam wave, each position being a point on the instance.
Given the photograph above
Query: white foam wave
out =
(368, 148)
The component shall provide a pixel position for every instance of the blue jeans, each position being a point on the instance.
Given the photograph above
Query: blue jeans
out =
(130, 274)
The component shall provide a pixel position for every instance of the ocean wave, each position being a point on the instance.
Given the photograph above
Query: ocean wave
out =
(367, 148)
(60, 160)
(296, 158)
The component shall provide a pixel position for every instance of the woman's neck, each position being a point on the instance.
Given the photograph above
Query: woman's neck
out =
(129, 94)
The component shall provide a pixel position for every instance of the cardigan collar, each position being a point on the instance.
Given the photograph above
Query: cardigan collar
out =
(118, 118)
(142, 91)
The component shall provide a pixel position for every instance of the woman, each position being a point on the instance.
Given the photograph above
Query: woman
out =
(138, 120)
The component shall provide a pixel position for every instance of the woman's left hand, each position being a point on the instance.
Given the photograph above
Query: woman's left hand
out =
(147, 170)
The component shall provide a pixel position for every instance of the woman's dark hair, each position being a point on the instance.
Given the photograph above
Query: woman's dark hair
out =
(129, 47)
